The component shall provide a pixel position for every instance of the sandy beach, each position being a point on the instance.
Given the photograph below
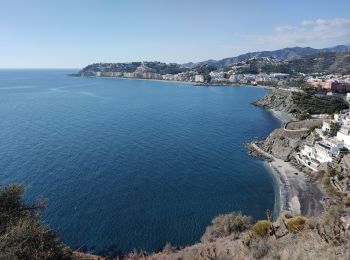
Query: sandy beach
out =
(297, 193)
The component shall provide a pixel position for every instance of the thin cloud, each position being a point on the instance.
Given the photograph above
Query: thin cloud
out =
(315, 33)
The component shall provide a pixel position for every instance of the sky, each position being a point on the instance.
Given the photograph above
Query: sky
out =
(75, 33)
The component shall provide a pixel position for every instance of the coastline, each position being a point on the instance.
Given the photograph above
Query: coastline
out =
(194, 84)
(294, 190)
(292, 186)
(284, 117)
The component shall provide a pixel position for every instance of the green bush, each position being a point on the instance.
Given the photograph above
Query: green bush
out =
(296, 224)
(261, 228)
(306, 103)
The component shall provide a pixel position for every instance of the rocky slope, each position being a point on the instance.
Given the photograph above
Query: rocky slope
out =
(300, 103)
(284, 141)
(282, 144)
(289, 237)
(279, 100)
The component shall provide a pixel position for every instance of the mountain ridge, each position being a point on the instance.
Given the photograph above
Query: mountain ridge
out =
(285, 54)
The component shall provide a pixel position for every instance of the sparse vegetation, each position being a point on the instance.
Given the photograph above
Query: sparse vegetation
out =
(22, 234)
(260, 248)
(225, 225)
(304, 116)
(327, 185)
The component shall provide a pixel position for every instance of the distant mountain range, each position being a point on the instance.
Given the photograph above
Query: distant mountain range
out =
(285, 54)
(288, 60)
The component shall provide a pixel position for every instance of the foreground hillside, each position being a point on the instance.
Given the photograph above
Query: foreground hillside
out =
(290, 237)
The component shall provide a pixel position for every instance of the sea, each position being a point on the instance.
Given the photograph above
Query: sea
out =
(132, 164)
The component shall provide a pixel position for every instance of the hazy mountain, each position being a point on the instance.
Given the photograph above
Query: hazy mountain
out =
(329, 62)
(282, 54)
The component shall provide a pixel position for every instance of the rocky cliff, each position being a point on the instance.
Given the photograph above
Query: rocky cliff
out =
(301, 103)
(279, 100)
(282, 144)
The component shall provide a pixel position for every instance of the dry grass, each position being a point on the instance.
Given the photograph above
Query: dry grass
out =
(225, 225)
(261, 228)
(296, 224)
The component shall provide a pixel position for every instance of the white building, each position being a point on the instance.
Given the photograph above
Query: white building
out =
(217, 75)
(307, 157)
(348, 97)
(168, 77)
(343, 135)
(327, 150)
(326, 126)
(199, 78)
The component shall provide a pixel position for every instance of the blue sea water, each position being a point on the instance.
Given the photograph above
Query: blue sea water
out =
(128, 163)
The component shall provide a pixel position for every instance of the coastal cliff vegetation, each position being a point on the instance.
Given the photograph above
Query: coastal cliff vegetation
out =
(22, 233)
(302, 104)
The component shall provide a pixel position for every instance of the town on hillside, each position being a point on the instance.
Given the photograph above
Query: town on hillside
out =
(331, 143)
(327, 72)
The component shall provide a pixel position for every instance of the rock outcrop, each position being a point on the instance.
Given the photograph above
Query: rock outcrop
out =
(282, 144)
(279, 100)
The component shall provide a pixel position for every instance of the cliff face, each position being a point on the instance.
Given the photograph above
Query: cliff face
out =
(277, 100)
(300, 103)
(283, 144)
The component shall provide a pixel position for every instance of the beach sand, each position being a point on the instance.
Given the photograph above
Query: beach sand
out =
(297, 193)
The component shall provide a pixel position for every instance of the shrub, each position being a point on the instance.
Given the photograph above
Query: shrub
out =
(225, 225)
(261, 228)
(304, 116)
(30, 239)
(296, 224)
(22, 234)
